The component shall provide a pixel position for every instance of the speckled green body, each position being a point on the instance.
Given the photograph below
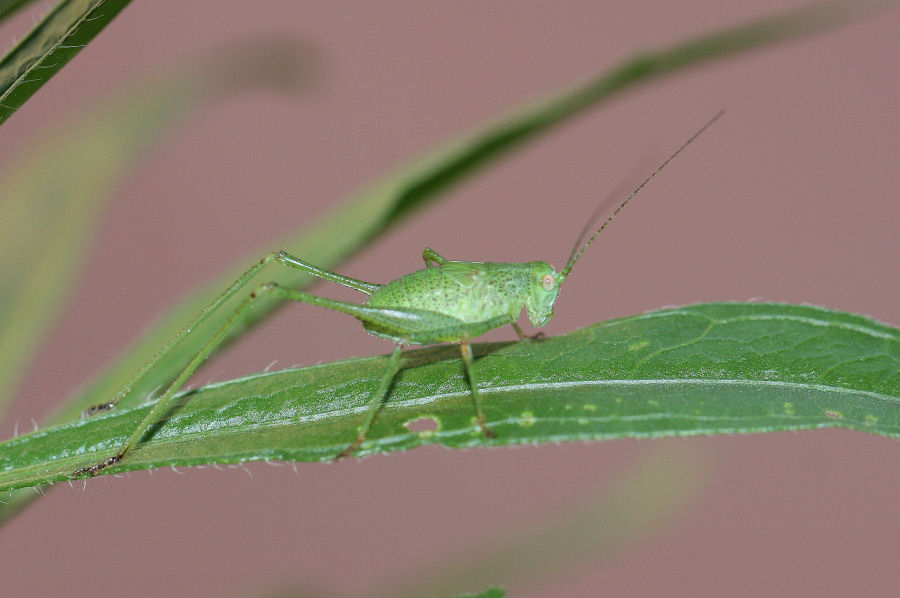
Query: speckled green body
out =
(475, 293)
(459, 300)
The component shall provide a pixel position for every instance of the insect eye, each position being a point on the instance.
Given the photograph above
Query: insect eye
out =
(548, 282)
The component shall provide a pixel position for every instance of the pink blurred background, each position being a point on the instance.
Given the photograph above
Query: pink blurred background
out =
(791, 197)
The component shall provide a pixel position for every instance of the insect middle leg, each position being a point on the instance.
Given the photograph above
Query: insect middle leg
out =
(380, 393)
(468, 360)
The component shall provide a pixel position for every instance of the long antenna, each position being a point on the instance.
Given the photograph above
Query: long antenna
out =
(576, 253)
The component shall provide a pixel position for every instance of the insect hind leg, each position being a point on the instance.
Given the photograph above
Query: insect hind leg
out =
(376, 401)
(280, 257)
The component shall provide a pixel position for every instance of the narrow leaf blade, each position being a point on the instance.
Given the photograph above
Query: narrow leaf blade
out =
(720, 368)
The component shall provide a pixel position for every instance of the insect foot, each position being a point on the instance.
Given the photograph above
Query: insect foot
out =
(97, 468)
(525, 337)
(488, 433)
(348, 452)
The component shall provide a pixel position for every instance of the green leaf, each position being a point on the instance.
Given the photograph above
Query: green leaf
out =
(382, 205)
(53, 193)
(50, 46)
(718, 368)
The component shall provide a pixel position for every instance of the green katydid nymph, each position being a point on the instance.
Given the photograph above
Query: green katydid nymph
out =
(447, 301)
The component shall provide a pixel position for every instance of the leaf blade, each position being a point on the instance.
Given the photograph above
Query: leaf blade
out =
(702, 369)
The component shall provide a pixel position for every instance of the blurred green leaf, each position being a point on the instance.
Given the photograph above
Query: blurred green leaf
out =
(51, 196)
(66, 29)
(10, 7)
(717, 368)
(662, 484)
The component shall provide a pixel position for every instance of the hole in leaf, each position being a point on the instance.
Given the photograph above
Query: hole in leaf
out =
(423, 425)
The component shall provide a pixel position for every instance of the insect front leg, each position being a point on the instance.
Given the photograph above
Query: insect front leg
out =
(524, 337)
(376, 401)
